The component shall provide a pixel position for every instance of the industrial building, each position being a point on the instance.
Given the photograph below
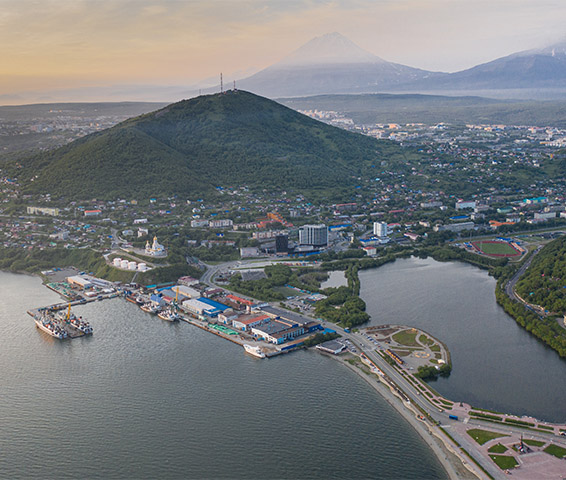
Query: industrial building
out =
(80, 282)
(186, 292)
(332, 346)
(314, 235)
(203, 306)
(247, 322)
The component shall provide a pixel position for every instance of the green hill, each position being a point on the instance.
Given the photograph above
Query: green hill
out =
(544, 283)
(191, 147)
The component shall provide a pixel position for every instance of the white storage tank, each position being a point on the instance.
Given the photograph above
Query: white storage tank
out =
(124, 264)
(132, 265)
(117, 262)
(142, 267)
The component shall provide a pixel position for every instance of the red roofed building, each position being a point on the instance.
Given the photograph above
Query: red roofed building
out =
(246, 322)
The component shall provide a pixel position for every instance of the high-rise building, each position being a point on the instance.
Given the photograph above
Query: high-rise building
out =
(380, 229)
(281, 244)
(315, 235)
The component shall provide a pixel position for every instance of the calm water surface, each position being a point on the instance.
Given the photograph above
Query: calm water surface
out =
(336, 278)
(496, 364)
(143, 398)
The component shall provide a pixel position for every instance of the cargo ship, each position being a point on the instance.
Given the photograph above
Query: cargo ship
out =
(71, 319)
(45, 323)
(253, 350)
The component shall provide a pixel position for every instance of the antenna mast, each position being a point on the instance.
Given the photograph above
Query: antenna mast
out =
(221, 84)
(234, 85)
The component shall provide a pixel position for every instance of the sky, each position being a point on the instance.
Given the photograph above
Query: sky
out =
(60, 45)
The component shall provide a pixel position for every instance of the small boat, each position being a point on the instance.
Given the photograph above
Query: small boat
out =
(137, 300)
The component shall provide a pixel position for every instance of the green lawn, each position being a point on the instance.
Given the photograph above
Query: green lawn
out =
(555, 450)
(504, 462)
(288, 292)
(497, 448)
(534, 443)
(425, 340)
(406, 337)
(484, 436)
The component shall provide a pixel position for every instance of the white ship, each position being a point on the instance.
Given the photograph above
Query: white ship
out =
(168, 315)
(253, 350)
(48, 326)
(150, 308)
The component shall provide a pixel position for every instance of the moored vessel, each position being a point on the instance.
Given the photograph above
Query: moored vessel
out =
(150, 308)
(168, 315)
(254, 350)
(71, 319)
(46, 324)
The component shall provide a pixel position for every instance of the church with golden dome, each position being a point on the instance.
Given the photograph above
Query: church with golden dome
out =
(155, 249)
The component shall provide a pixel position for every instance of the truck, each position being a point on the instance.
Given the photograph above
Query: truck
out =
(347, 330)
(453, 417)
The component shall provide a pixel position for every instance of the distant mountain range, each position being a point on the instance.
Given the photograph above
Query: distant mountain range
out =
(194, 146)
(331, 64)
(334, 64)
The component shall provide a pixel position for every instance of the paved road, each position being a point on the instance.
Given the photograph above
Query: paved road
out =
(510, 287)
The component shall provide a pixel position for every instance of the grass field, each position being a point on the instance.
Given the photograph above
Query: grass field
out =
(504, 462)
(484, 436)
(556, 451)
(497, 448)
(407, 338)
(490, 247)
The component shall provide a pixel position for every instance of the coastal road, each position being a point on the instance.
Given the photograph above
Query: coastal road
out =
(510, 287)
(416, 398)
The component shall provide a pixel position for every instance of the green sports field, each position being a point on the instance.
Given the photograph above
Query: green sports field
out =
(495, 248)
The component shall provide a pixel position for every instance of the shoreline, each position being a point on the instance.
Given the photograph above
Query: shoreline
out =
(455, 467)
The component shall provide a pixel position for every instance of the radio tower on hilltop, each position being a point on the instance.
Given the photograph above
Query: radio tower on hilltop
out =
(221, 84)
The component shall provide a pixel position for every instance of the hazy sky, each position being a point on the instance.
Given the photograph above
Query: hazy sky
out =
(58, 44)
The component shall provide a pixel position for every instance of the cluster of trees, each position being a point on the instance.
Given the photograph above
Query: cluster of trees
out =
(342, 306)
(320, 338)
(432, 373)
(545, 329)
(544, 283)
(448, 253)
(277, 276)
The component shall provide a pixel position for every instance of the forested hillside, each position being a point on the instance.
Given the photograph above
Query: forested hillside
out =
(544, 283)
(193, 146)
